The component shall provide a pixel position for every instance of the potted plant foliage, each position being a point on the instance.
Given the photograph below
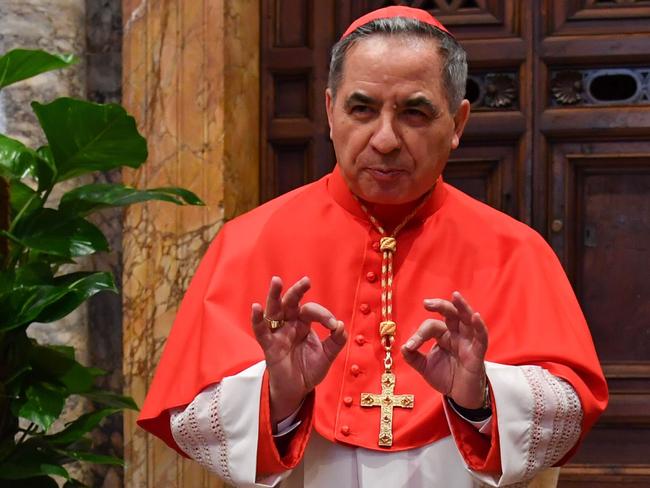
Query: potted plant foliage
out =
(38, 237)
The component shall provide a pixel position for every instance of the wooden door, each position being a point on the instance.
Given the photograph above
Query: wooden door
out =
(559, 138)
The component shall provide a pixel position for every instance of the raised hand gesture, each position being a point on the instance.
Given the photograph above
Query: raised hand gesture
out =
(296, 359)
(455, 365)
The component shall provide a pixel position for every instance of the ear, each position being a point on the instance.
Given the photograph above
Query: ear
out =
(329, 108)
(460, 120)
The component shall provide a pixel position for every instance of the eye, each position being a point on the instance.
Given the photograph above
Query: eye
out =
(414, 112)
(361, 110)
(415, 116)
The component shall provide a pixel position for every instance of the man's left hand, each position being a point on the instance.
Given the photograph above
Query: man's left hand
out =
(455, 365)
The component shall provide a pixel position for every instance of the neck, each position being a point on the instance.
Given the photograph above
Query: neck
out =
(390, 216)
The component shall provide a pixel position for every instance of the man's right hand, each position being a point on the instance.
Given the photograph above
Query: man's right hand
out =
(296, 359)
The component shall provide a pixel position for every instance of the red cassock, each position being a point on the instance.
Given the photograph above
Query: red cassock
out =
(503, 268)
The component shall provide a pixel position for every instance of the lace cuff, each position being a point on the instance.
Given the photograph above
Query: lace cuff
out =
(219, 428)
(188, 433)
(557, 419)
(538, 418)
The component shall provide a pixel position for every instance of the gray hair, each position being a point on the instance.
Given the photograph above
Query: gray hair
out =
(454, 68)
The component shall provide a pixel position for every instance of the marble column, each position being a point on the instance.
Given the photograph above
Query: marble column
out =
(191, 78)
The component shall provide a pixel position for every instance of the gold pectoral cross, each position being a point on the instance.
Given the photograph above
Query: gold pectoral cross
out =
(387, 400)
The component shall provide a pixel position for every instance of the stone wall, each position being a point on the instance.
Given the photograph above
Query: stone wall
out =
(104, 85)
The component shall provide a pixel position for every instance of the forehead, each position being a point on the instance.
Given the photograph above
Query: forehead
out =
(399, 62)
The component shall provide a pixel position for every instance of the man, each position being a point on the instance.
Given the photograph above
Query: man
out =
(340, 390)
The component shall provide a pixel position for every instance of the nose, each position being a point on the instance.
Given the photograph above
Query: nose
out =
(384, 139)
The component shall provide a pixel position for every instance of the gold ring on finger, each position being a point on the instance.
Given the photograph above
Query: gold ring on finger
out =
(274, 324)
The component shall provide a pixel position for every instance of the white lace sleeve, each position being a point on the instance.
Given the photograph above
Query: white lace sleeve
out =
(539, 419)
(219, 428)
(188, 428)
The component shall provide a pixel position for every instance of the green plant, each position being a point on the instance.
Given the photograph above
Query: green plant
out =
(37, 240)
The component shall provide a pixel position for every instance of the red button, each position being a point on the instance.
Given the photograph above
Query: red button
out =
(375, 245)
(355, 369)
(360, 339)
(365, 308)
(347, 401)
(371, 277)
(345, 429)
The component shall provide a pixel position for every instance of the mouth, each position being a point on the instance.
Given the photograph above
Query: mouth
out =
(385, 174)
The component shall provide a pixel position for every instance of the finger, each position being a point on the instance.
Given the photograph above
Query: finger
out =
(273, 308)
(314, 312)
(416, 359)
(291, 299)
(260, 328)
(444, 308)
(333, 344)
(444, 341)
(465, 311)
(480, 331)
(429, 329)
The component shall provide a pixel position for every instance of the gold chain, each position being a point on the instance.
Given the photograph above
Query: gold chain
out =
(388, 247)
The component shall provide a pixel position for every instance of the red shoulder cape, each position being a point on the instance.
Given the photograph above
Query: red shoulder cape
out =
(505, 270)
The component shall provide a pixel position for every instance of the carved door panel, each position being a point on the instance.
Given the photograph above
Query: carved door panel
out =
(558, 138)
(296, 37)
(592, 202)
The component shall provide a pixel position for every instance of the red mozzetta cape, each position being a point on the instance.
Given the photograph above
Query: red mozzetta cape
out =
(505, 270)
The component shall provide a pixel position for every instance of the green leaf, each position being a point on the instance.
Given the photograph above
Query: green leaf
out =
(16, 159)
(47, 303)
(20, 64)
(81, 286)
(51, 232)
(111, 399)
(86, 137)
(16, 367)
(32, 459)
(57, 367)
(17, 375)
(81, 426)
(89, 198)
(97, 372)
(72, 483)
(21, 195)
(6, 281)
(44, 404)
(54, 262)
(67, 351)
(36, 273)
(44, 169)
(93, 458)
(36, 482)
(22, 304)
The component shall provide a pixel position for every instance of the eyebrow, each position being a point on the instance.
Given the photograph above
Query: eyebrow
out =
(413, 102)
(421, 101)
(358, 97)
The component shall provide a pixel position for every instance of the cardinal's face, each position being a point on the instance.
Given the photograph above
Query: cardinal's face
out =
(390, 121)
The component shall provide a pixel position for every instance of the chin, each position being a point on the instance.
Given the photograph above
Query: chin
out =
(383, 197)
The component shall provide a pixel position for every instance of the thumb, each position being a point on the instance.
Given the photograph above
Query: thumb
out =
(260, 328)
(333, 344)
